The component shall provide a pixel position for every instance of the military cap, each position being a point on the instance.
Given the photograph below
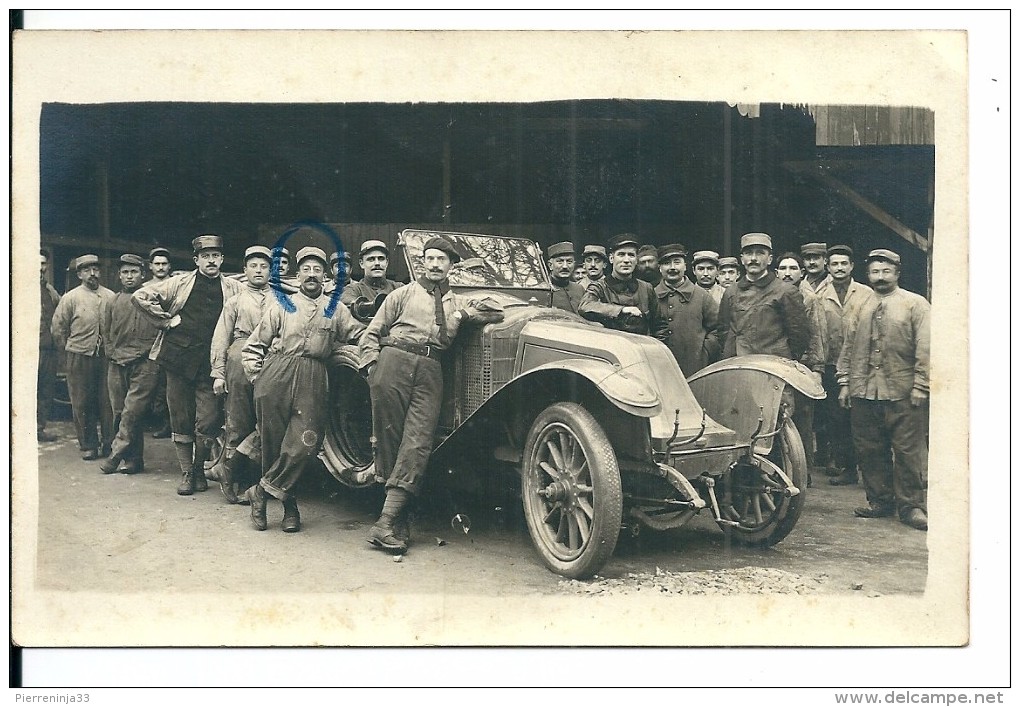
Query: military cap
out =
(438, 243)
(279, 250)
(703, 255)
(342, 255)
(728, 262)
(884, 254)
(311, 251)
(622, 240)
(159, 250)
(593, 249)
(131, 259)
(842, 250)
(813, 249)
(257, 251)
(647, 250)
(207, 242)
(558, 249)
(371, 245)
(749, 239)
(672, 250)
(83, 260)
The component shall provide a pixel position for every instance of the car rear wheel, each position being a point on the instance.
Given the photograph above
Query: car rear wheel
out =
(571, 491)
(347, 447)
(760, 505)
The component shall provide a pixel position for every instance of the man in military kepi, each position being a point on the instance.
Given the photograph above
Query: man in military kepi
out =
(75, 329)
(365, 296)
(706, 270)
(729, 271)
(688, 310)
(594, 259)
(186, 308)
(285, 360)
(566, 294)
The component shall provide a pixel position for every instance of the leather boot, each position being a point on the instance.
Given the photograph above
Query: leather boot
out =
(185, 453)
(110, 464)
(291, 517)
(382, 534)
(257, 498)
(226, 471)
(202, 448)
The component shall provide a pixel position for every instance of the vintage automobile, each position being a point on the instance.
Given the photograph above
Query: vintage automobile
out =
(602, 426)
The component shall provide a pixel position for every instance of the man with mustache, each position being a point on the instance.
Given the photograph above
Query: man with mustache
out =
(706, 269)
(186, 308)
(132, 377)
(761, 314)
(48, 353)
(566, 294)
(400, 356)
(841, 296)
(285, 360)
(815, 274)
(75, 329)
(594, 259)
(159, 266)
(689, 312)
(648, 265)
(241, 314)
(365, 296)
(883, 377)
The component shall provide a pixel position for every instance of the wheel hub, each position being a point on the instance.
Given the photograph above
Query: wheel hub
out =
(557, 491)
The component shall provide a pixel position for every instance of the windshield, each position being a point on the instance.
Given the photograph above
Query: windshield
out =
(486, 261)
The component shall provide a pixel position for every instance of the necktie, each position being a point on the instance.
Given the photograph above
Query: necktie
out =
(444, 337)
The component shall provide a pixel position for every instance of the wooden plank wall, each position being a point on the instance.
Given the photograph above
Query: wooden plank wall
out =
(851, 126)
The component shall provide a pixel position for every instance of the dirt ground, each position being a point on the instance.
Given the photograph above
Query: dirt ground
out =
(121, 533)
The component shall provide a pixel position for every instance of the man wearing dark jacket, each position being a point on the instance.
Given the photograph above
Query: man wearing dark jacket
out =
(690, 312)
(567, 294)
(621, 301)
(761, 314)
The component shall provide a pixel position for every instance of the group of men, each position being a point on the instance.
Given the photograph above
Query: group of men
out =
(868, 346)
(249, 355)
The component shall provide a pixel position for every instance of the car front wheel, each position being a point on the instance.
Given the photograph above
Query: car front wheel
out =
(573, 502)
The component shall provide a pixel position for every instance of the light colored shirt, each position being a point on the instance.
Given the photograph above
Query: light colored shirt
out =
(241, 314)
(75, 325)
(306, 332)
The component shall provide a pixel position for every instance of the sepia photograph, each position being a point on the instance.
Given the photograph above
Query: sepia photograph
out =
(490, 339)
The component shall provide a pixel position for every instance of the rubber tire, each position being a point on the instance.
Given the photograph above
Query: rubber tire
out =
(336, 453)
(788, 454)
(606, 495)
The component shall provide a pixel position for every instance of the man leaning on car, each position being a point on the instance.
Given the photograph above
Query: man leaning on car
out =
(620, 300)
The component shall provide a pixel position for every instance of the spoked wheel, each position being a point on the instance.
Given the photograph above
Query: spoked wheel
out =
(759, 504)
(347, 447)
(571, 491)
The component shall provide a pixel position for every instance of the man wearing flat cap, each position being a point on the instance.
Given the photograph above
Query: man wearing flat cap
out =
(186, 308)
(594, 259)
(761, 314)
(159, 267)
(405, 375)
(729, 271)
(132, 377)
(240, 315)
(285, 360)
(75, 330)
(706, 271)
(883, 377)
(688, 310)
(566, 294)
(840, 297)
(648, 265)
(621, 301)
(365, 296)
(815, 275)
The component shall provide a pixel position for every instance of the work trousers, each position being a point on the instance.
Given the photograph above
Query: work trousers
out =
(832, 426)
(407, 392)
(804, 420)
(160, 410)
(240, 405)
(891, 437)
(292, 403)
(195, 412)
(131, 389)
(90, 402)
(46, 387)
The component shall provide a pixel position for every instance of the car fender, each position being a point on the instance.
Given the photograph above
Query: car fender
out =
(621, 387)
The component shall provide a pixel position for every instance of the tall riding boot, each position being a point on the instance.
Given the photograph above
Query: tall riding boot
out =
(202, 449)
(291, 517)
(185, 457)
(382, 533)
(257, 498)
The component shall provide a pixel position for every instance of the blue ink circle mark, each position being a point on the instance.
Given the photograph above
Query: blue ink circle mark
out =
(274, 269)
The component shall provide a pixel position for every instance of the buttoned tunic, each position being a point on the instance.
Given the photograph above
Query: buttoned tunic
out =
(691, 318)
(766, 316)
